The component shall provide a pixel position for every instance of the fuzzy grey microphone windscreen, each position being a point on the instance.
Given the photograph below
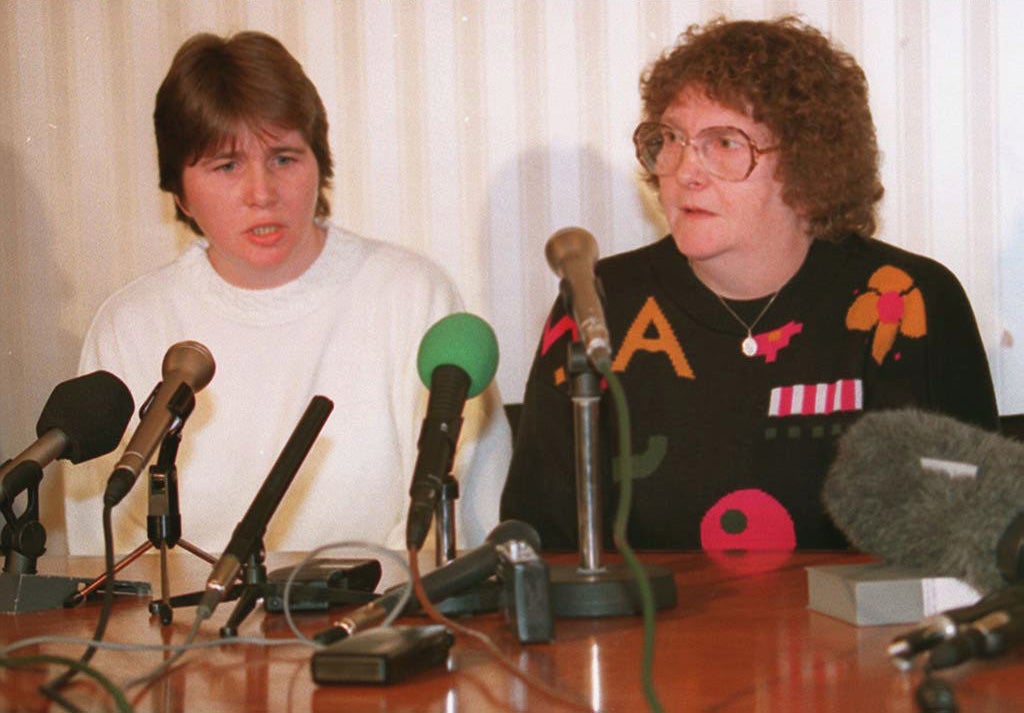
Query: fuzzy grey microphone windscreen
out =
(926, 491)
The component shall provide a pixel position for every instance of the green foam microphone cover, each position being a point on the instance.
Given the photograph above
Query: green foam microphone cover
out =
(463, 340)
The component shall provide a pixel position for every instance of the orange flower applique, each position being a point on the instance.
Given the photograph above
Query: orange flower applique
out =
(892, 305)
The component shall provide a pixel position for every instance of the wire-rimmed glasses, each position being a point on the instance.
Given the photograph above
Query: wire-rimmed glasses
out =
(725, 152)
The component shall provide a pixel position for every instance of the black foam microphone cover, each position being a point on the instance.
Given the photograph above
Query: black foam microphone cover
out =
(926, 491)
(92, 411)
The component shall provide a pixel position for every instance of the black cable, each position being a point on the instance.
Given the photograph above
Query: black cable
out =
(116, 693)
(50, 689)
(934, 695)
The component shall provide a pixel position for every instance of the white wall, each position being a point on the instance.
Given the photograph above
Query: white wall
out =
(472, 130)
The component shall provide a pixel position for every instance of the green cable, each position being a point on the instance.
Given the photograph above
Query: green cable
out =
(620, 538)
(115, 692)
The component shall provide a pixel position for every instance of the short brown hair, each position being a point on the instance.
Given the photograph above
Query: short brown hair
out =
(812, 96)
(216, 84)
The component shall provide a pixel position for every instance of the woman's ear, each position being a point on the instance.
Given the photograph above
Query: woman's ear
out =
(180, 202)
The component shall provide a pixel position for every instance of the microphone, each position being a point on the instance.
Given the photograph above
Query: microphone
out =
(947, 624)
(187, 368)
(84, 418)
(925, 491)
(461, 573)
(572, 254)
(249, 532)
(456, 360)
(987, 637)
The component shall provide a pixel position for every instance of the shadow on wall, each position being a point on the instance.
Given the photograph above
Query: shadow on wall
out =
(36, 351)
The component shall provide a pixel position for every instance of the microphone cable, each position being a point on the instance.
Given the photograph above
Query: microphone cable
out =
(50, 689)
(619, 536)
(489, 646)
(166, 664)
(934, 695)
(116, 693)
(346, 544)
(188, 645)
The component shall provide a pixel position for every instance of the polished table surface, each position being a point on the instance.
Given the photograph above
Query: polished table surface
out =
(740, 639)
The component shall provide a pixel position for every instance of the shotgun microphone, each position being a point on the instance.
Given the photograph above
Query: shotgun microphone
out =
(248, 534)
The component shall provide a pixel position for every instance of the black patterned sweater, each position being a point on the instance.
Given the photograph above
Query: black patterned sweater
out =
(730, 451)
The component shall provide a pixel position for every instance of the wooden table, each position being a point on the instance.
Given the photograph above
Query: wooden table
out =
(740, 639)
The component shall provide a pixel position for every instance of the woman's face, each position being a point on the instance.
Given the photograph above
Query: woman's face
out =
(726, 227)
(254, 198)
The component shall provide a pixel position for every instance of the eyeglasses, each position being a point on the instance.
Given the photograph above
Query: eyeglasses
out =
(724, 151)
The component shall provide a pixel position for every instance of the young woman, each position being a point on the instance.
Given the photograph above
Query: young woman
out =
(290, 306)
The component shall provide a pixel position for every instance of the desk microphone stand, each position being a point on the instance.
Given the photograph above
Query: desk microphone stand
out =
(253, 587)
(318, 594)
(479, 598)
(163, 527)
(594, 589)
(23, 540)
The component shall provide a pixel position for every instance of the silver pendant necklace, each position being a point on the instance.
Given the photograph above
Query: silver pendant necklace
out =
(749, 345)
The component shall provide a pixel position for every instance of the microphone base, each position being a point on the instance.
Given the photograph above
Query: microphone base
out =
(478, 599)
(609, 591)
(22, 593)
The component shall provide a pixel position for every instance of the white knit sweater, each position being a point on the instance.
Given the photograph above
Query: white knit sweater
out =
(348, 329)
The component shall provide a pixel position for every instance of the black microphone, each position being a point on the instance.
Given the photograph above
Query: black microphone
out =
(463, 572)
(84, 418)
(187, 368)
(947, 624)
(456, 360)
(572, 254)
(248, 534)
(987, 637)
(925, 491)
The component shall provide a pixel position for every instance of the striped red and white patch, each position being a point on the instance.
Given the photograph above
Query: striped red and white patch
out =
(817, 399)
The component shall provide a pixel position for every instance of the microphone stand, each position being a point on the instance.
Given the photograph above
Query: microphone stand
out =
(592, 588)
(163, 527)
(479, 598)
(444, 521)
(254, 584)
(160, 506)
(255, 588)
(163, 524)
(23, 541)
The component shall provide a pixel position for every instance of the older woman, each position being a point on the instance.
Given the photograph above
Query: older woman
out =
(770, 317)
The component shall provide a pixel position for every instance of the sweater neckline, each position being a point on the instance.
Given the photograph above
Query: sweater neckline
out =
(675, 276)
(284, 303)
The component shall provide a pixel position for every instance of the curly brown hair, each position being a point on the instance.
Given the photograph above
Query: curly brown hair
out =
(813, 97)
(217, 84)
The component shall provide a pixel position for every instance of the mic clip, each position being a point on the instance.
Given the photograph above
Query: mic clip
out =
(595, 341)
(180, 405)
(23, 539)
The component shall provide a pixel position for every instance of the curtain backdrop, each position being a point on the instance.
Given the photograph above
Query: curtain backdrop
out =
(471, 130)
